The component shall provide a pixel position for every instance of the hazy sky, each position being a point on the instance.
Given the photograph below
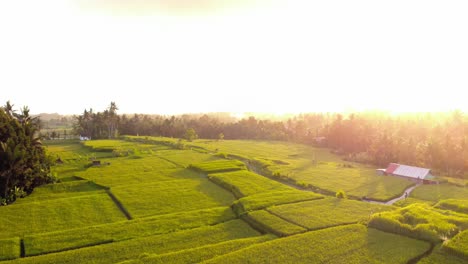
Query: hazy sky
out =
(176, 56)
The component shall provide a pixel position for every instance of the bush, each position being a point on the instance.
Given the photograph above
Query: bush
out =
(341, 194)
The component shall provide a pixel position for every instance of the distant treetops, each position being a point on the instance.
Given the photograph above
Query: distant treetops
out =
(23, 161)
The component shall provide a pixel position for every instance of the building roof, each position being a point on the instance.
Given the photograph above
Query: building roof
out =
(408, 171)
(391, 168)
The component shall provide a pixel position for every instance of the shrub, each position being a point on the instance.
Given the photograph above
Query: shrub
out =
(341, 194)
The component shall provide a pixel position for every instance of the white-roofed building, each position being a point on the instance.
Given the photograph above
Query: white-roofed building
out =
(415, 173)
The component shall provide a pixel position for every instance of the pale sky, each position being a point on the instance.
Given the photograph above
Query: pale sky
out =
(180, 56)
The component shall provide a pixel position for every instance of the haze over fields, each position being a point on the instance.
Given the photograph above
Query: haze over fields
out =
(275, 56)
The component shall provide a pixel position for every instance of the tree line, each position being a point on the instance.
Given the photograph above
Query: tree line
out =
(23, 161)
(434, 140)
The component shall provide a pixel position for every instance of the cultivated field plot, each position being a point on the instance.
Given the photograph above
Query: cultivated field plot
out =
(62, 190)
(437, 192)
(159, 244)
(129, 170)
(59, 214)
(203, 253)
(164, 197)
(440, 255)
(10, 248)
(184, 157)
(244, 183)
(94, 235)
(421, 221)
(327, 212)
(458, 245)
(264, 200)
(460, 206)
(346, 244)
(218, 166)
(270, 223)
(312, 166)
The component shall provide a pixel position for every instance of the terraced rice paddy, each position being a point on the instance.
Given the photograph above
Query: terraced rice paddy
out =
(347, 244)
(152, 201)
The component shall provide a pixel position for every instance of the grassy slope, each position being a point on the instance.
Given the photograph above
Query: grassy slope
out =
(160, 244)
(118, 231)
(196, 255)
(273, 224)
(327, 212)
(458, 245)
(58, 214)
(347, 244)
(438, 192)
(244, 183)
(439, 255)
(62, 190)
(165, 197)
(460, 206)
(9, 248)
(421, 221)
(264, 200)
(295, 161)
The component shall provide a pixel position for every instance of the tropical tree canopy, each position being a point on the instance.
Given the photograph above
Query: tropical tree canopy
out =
(23, 161)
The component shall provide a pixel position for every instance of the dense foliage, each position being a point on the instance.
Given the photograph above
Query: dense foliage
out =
(23, 161)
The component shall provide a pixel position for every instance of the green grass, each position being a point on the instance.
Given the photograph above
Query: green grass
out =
(309, 166)
(327, 212)
(128, 170)
(410, 200)
(67, 213)
(118, 231)
(439, 255)
(200, 254)
(62, 190)
(264, 200)
(217, 166)
(437, 192)
(160, 244)
(346, 244)
(273, 224)
(185, 157)
(156, 198)
(244, 183)
(9, 248)
(421, 221)
(460, 206)
(458, 245)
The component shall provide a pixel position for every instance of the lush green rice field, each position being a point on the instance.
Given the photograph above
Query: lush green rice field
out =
(160, 244)
(219, 212)
(437, 192)
(270, 223)
(347, 244)
(267, 199)
(199, 254)
(440, 256)
(123, 230)
(62, 190)
(460, 206)
(157, 198)
(217, 166)
(326, 212)
(458, 245)
(9, 248)
(244, 183)
(421, 221)
(58, 214)
(312, 166)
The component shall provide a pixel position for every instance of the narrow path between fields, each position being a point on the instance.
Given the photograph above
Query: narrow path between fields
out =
(405, 194)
